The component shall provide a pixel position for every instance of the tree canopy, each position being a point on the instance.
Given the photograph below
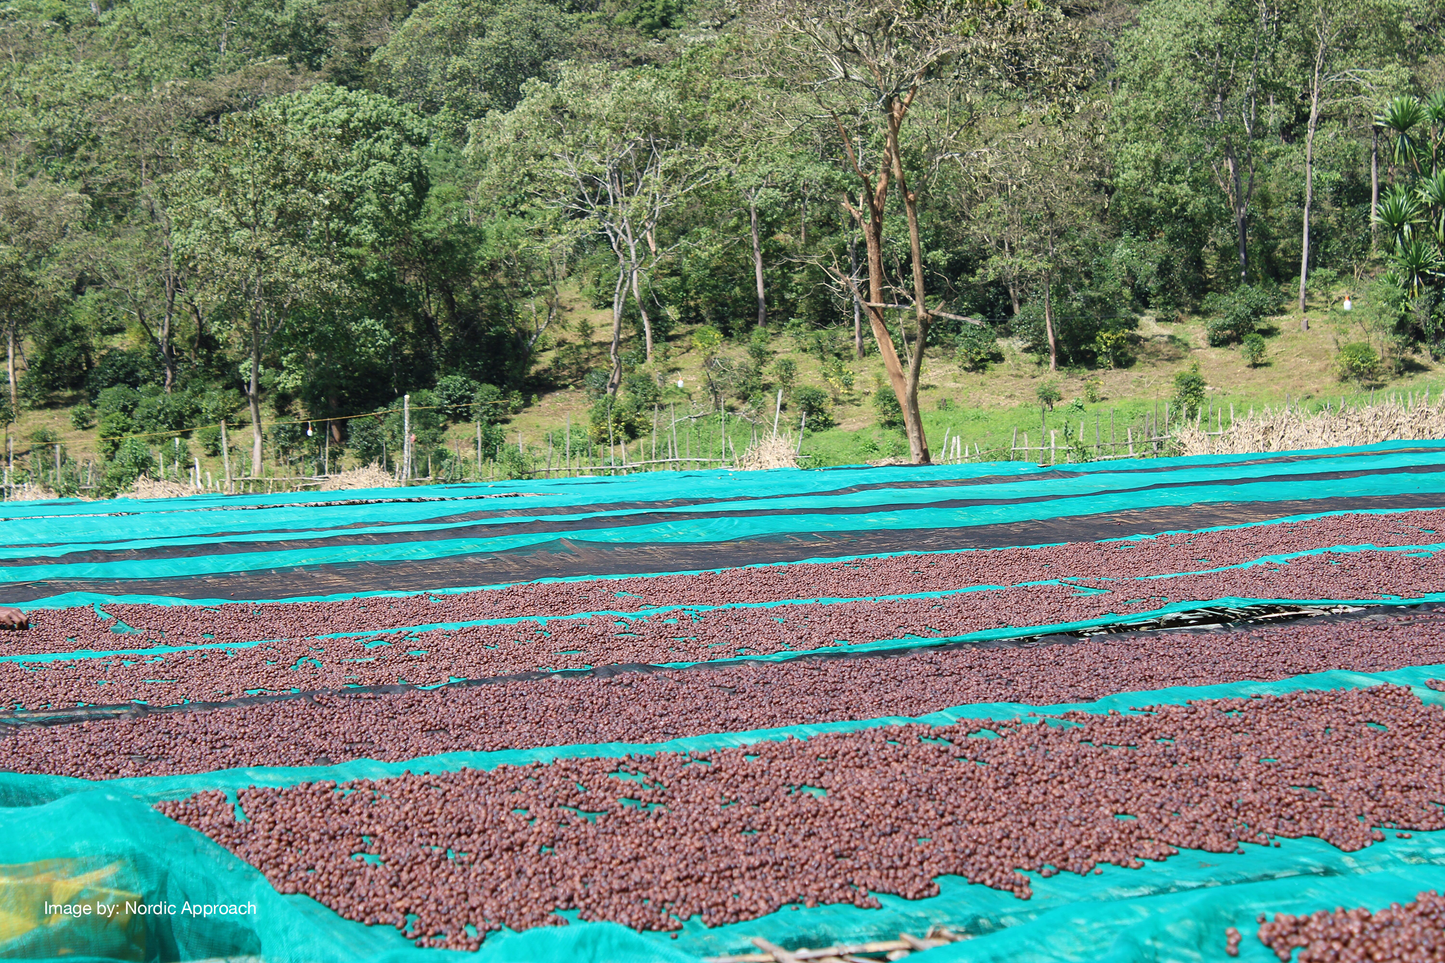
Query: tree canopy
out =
(312, 208)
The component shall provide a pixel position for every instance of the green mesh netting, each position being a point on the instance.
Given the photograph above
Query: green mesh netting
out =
(148, 860)
(1173, 910)
(745, 505)
(99, 843)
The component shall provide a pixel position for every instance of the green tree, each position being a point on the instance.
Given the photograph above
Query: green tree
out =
(1340, 48)
(461, 59)
(271, 216)
(36, 216)
(1193, 96)
(604, 152)
(869, 66)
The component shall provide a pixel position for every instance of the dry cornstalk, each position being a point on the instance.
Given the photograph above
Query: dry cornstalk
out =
(1290, 429)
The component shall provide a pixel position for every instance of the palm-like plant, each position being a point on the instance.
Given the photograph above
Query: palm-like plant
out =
(1431, 192)
(1400, 118)
(1398, 212)
(1418, 262)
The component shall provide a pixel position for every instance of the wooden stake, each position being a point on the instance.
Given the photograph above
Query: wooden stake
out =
(404, 471)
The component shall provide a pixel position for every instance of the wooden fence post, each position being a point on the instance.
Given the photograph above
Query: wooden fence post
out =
(226, 458)
(403, 470)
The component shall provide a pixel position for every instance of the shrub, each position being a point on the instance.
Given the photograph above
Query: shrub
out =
(838, 376)
(1238, 313)
(785, 371)
(176, 451)
(132, 459)
(1253, 349)
(813, 402)
(489, 407)
(706, 340)
(113, 425)
(620, 414)
(121, 398)
(760, 347)
(1189, 386)
(44, 436)
(1049, 394)
(1111, 347)
(209, 438)
(82, 417)
(642, 390)
(1358, 362)
(129, 368)
(594, 384)
(454, 396)
(1094, 391)
(367, 437)
(426, 427)
(975, 347)
(890, 412)
(158, 411)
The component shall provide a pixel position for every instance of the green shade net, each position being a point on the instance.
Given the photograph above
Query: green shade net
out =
(1173, 910)
(412, 525)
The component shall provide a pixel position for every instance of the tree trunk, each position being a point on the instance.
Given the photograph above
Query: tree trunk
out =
(757, 257)
(10, 369)
(857, 308)
(253, 400)
(803, 224)
(912, 417)
(172, 288)
(642, 310)
(1304, 260)
(873, 203)
(632, 272)
(1241, 215)
(1374, 183)
(614, 380)
(1049, 321)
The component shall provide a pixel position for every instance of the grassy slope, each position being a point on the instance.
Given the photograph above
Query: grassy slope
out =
(985, 409)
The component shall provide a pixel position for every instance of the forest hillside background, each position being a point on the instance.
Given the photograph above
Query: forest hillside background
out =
(524, 233)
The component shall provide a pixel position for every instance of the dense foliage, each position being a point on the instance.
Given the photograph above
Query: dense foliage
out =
(308, 209)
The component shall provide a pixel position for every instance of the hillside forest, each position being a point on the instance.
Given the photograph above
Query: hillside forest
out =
(285, 214)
